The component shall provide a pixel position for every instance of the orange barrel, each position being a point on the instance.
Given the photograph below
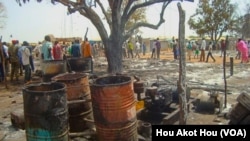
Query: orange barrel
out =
(114, 108)
(45, 112)
(51, 68)
(77, 89)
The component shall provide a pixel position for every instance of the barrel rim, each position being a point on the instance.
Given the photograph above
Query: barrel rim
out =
(81, 58)
(47, 61)
(77, 75)
(115, 84)
(25, 87)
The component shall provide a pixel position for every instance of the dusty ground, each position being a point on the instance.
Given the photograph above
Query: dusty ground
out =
(210, 73)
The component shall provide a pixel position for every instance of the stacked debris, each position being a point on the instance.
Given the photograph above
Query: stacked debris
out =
(240, 113)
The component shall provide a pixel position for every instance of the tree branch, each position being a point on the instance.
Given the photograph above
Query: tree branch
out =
(89, 13)
(148, 25)
(109, 21)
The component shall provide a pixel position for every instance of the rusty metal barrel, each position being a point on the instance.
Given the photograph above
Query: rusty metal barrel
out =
(45, 112)
(79, 99)
(51, 68)
(82, 65)
(114, 108)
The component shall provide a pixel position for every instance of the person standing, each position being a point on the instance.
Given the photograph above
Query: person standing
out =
(14, 60)
(143, 48)
(241, 45)
(196, 50)
(57, 51)
(222, 47)
(130, 49)
(153, 50)
(137, 49)
(19, 54)
(203, 48)
(189, 50)
(37, 50)
(76, 49)
(158, 48)
(209, 54)
(175, 48)
(25, 52)
(32, 65)
(86, 48)
(46, 49)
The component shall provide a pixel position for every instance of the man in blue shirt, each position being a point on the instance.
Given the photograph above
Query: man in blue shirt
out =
(47, 51)
(75, 49)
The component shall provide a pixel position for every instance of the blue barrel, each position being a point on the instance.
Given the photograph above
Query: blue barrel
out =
(46, 112)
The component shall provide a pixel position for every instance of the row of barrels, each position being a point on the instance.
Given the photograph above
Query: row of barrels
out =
(61, 104)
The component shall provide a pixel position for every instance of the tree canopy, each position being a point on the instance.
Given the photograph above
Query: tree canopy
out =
(213, 18)
(246, 23)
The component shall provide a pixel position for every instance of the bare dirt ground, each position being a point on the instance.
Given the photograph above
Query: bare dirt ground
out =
(147, 69)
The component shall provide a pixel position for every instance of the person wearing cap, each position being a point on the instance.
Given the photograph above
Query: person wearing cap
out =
(26, 53)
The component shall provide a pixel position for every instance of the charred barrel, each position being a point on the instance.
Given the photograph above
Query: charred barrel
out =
(45, 111)
(77, 90)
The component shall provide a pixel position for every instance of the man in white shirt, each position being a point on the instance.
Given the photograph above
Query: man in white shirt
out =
(25, 52)
(137, 49)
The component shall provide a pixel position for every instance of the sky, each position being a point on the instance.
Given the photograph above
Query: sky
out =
(32, 21)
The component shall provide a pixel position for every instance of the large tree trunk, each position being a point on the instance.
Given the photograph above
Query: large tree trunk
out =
(182, 71)
(113, 52)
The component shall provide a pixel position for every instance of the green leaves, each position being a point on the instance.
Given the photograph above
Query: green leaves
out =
(213, 18)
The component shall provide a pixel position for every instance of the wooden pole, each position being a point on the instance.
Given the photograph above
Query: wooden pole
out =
(231, 66)
(182, 68)
(3, 62)
(224, 72)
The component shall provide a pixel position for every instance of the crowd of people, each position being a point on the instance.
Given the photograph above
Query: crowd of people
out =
(204, 51)
(17, 59)
(133, 50)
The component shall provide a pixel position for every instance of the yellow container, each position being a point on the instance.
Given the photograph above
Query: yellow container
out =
(139, 105)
